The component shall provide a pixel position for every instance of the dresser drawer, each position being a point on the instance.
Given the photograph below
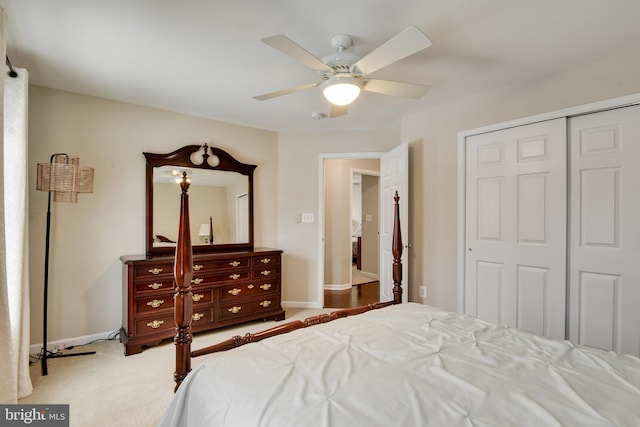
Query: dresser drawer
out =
(201, 317)
(223, 264)
(154, 270)
(155, 284)
(230, 276)
(250, 289)
(201, 296)
(165, 301)
(230, 310)
(266, 261)
(154, 303)
(155, 324)
(265, 273)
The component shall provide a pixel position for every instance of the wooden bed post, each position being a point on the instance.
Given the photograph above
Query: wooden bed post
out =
(396, 249)
(183, 272)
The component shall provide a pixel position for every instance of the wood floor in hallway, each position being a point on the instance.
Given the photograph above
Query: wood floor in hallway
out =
(362, 294)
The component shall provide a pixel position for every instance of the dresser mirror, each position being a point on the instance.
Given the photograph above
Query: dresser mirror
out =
(220, 200)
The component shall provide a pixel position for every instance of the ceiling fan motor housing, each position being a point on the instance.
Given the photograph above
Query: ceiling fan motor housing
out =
(340, 61)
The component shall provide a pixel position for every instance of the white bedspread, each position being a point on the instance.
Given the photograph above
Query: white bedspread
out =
(410, 365)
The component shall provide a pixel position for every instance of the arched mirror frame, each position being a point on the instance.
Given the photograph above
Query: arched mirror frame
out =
(182, 157)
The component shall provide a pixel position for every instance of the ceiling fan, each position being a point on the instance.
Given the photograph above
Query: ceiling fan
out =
(343, 74)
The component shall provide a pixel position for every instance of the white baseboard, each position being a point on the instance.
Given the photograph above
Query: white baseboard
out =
(373, 276)
(68, 342)
(337, 287)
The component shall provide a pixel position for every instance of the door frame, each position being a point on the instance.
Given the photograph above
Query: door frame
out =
(594, 107)
(321, 158)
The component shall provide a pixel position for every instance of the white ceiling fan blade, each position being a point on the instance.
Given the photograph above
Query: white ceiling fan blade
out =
(278, 93)
(290, 48)
(389, 87)
(406, 43)
(338, 110)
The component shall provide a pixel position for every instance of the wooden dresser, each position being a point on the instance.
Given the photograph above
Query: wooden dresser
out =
(228, 288)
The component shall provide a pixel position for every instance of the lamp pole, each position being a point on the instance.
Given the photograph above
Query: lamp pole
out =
(46, 286)
(45, 354)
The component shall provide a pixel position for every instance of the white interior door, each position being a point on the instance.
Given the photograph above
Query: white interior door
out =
(394, 176)
(515, 233)
(604, 289)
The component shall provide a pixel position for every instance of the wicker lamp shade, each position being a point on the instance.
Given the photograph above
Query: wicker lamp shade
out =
(65, 178)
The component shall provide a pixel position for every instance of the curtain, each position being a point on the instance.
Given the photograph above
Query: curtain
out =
(14, 249)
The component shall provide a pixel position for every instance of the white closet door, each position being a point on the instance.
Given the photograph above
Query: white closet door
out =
(515, 263)
(604, 291)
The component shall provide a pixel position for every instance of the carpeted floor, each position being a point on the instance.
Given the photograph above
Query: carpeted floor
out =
(109, 389)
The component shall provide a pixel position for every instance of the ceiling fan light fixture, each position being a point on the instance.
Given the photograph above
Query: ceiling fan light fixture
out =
(342, 90)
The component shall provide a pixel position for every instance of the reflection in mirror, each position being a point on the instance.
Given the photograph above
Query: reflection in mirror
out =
(218, 206)
(220, 198)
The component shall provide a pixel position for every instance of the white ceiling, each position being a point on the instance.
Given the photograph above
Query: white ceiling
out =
(205, 58)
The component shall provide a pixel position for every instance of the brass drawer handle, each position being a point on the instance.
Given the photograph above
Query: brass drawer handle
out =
(235, 309)
(234, 276)
(155, 286)
(234, 263)
(155, 271)
(265, 260)
(197, 316)
(234, 291)
(265, 287)
(197, 267)
(197, 297)
(265, 303)
(265, 273)
(197, 281)
(250, 286)
(155, 303)
(155, 324)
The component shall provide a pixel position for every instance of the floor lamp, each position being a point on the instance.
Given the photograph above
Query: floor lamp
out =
(63, 177)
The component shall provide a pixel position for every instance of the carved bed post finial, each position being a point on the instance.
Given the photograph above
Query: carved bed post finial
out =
(183, 272)
(396, 249)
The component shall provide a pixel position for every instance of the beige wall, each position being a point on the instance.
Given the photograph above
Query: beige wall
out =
(371, 227)
(432, 135)
(89, 237)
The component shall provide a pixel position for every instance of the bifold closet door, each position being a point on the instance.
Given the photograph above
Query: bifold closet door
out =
(515, 258)
(604, 272)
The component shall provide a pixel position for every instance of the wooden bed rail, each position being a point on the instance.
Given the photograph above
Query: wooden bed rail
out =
(183, 271)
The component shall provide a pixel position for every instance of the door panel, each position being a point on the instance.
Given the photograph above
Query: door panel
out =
(394, 176)
(604, 287)
(515, 263)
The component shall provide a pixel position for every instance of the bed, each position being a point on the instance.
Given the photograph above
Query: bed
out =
(398, 364)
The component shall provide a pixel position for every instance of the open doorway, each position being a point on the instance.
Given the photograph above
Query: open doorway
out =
(351, 232)
(393, 169)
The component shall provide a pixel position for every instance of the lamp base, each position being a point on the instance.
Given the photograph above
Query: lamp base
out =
(45, 370)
